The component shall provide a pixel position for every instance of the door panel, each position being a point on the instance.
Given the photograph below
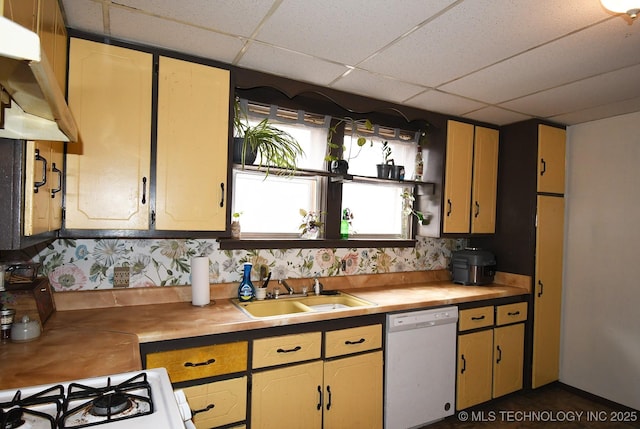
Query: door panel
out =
(458, 171)
(485, 181)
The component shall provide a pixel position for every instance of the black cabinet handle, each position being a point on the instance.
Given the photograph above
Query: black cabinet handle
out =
(499, 354)
(295, 349)
(222, 197)
(477, 210)
(544, 166)
(514, 313)
(541, 288)
(360, 341)
(449, 205)
(144, 190)
(464, 364)
(319, 406)
(37, 185)
(203, 410)
(190, 364)
(329, 399)
(59, 188)
(153, 217)
(477, 317)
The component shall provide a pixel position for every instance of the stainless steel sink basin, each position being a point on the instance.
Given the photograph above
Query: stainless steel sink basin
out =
(305, 304)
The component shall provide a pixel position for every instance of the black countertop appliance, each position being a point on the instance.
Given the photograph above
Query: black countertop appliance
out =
(472, 266)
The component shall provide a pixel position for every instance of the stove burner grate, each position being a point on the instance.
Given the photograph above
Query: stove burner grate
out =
(108, 403)
(15, 412)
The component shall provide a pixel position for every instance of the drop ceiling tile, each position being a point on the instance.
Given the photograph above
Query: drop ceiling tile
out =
(604, 47)
(83, 15)
(290, 64)
(437, 101)
(585, 94)
(478, 33)
(599, 112)
(376, 86)
(159, 32)
(237, 17)
(496, 116)
(344, 31)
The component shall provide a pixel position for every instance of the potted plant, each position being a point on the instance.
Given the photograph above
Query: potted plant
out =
(235, 225)
(276, 147)
(311, 225)
(384, 169)
(336, 152)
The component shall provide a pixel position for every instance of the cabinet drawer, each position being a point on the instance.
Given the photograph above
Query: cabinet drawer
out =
(511, 313)
(353, 340)
(219, 403)
(286, 349)
(475, 318)
(200, 362)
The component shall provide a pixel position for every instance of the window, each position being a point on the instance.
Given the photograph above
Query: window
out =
(270, 205)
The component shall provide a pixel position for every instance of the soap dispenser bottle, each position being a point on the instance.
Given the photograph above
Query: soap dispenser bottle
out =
(246, 290)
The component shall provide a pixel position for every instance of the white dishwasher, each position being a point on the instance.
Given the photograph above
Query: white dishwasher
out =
(420, 361)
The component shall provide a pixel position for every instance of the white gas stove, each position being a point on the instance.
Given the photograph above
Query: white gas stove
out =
(132, 400)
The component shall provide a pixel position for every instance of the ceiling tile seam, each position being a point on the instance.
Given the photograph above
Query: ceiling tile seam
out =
(568, 83)
(411, 31)
(253, 36)
(530, 49)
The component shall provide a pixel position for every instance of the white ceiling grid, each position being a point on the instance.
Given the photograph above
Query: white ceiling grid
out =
(497, 61)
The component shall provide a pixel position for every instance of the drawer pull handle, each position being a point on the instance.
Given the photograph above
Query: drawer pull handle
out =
(464, 364)
(43, 182)
(478, 317)
(360, 341)
(499, 354)
(203, 410)
(295, 349)
(329, 399)
(191, 364)
(513, 313)
(319, 406)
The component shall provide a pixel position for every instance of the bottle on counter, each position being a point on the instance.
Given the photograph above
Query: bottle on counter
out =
(246, 290)
(419, 166)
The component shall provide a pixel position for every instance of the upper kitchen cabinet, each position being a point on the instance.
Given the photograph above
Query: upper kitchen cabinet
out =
(193, 125)
(551, 153)
(131, 172)
(471, 170)
(108, 170)
(43, 196)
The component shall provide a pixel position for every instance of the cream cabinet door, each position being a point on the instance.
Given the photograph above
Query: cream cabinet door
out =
(353, 392)
(458, 173)
(508, 359)
(193, 129)
(474, 380)
(485, 181)
(289, 397)
(548, 290)
(551, 159)
(219, 403)
(108, 169)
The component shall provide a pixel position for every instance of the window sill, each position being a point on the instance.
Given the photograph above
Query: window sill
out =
(233, 244)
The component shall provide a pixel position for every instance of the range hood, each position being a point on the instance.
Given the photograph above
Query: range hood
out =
(32, 105)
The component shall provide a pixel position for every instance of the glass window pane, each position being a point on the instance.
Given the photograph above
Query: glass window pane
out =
(268, 204)
(363, 160)
(376, 208)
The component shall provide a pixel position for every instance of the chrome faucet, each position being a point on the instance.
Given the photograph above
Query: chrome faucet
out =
(284, 283)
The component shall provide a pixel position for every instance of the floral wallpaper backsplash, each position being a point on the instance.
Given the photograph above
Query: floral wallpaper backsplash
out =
(88, 264)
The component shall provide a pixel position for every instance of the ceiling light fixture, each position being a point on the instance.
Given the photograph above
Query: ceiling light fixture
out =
(630, 7)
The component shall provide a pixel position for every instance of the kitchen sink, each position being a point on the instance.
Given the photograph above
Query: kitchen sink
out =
(301, 304)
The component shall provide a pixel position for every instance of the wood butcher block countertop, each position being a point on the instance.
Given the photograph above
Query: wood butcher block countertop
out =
(98, 333)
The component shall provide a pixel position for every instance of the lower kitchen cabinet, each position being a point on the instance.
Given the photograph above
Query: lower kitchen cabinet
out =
(475, 354)
(490, 358)
(218, 403)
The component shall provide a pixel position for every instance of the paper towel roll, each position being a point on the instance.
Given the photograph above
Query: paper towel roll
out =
(200, 294)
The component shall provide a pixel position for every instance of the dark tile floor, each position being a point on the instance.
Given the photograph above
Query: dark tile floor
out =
(552, 406)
